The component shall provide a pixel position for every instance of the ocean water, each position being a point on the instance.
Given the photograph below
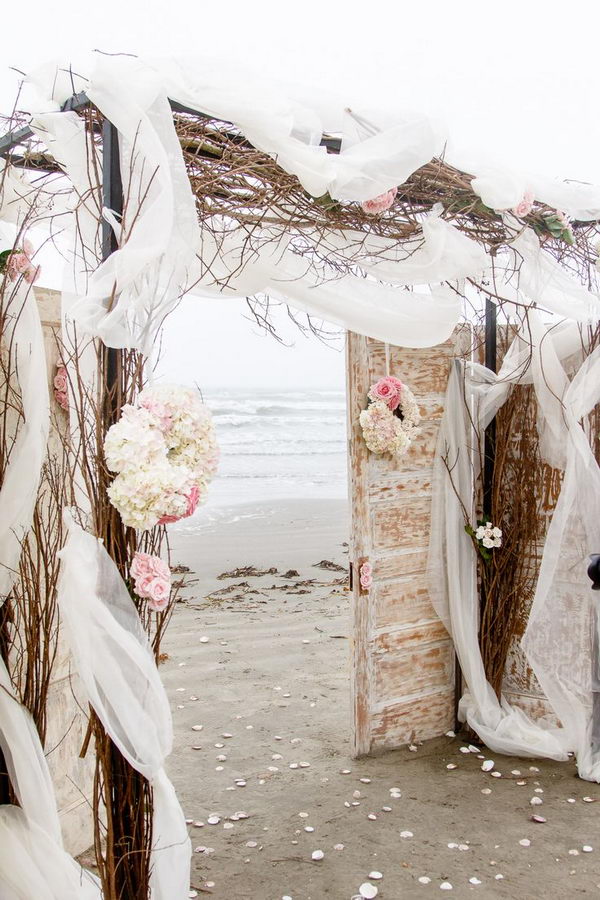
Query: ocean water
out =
(279, 444)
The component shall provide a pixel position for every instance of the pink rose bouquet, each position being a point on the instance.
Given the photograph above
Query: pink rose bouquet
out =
(152, 579)
(390, 420)
(18, 263)
(380, 203)
(164, 452)
(192, 499)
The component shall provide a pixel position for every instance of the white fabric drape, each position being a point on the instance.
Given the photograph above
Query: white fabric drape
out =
(33, 862)
(21, 478)
(558, 638)
(32, 865)
(113, 658)
(163, 252)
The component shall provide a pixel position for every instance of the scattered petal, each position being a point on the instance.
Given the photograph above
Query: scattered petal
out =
(424, 879)
(445, 886)
(525, 842)
(317, 855)
(368, 891)
(487, 765)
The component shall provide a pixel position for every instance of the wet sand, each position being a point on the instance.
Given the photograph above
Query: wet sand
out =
(261, 662)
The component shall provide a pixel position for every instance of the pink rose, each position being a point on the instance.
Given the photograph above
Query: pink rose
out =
(366, 581)
(366, 569)
(60, 379)
(159, 594)
(20, 264)
(193, 498)
(380, 203)
(143, 584)
(62, 399)
(28, 248)
(158, 567)
(140, 564)
(32, 273)
(152, 578)
(168, 520)
(388, 389)
(525, 206)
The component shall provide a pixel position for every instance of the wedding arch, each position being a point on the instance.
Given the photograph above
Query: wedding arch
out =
(156, 180)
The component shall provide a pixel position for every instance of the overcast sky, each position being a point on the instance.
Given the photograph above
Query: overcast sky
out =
(518, 80)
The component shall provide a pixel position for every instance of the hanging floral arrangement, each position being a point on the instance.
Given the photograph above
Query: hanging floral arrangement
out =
(165, 453)
(389, 423)
(486, 537)
(17, 263)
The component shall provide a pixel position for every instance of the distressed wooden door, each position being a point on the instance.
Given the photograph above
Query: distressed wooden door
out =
(403, 659)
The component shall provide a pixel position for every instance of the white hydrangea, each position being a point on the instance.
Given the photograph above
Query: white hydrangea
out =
(134, 441)
(187, 427)
(164, 451)
(382, 430)
(143, 496)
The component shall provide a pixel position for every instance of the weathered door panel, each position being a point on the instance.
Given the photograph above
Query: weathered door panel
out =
(403, 660)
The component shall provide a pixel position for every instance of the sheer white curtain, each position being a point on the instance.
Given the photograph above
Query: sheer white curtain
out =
(558, 639)
(114, 660)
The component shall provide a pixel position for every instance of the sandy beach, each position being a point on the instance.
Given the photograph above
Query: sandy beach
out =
(257, 673)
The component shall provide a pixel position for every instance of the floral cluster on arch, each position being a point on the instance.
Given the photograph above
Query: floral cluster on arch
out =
(390, 421)
(164, 452)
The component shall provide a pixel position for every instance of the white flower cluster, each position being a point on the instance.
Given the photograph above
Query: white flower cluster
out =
(164, 452)
(384, 431)
(489, 535)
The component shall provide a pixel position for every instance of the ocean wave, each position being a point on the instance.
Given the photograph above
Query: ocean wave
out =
(284, 452)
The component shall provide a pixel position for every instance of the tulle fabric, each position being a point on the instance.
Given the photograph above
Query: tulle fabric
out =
(34, 866)
(22, 475)
(167, 253)
(113, 658)
(558, 640)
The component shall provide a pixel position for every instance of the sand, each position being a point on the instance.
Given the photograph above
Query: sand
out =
(268, 664)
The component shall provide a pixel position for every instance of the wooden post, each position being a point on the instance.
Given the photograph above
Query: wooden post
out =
(357, 372)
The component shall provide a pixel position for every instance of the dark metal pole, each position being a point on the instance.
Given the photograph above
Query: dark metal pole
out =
(489, 445)
(112, 198)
